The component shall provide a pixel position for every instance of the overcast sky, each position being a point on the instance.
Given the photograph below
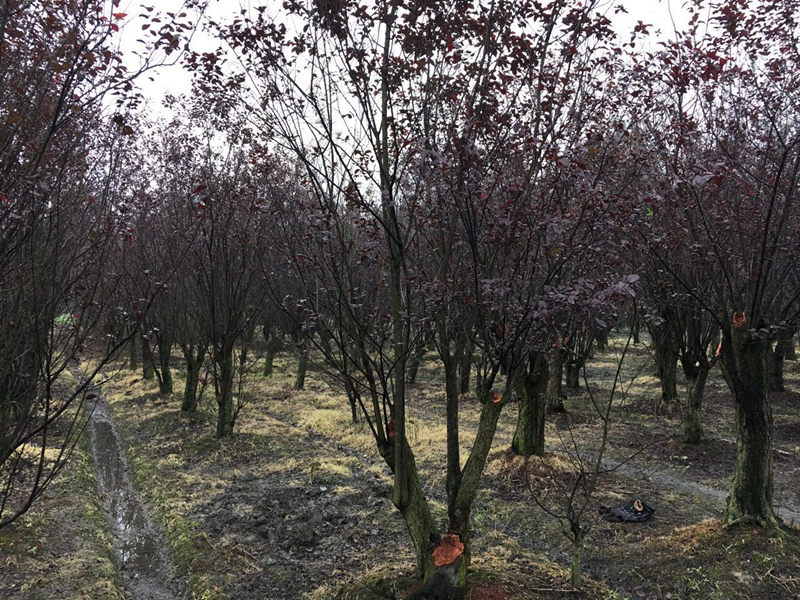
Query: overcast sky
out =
(172, 80)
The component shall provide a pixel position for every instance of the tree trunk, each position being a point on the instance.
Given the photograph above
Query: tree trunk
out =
(325, 341)
(529, 435)
(164, 353)
(194, 365)
(575, 570)
(744, 365)
(414, 361)
(602, 340)
(269, 359)
(635, 325)
(448, 582)
(666, 355)
(465, 367)
(555, 373)
(224, 391)
(302, 365)
(668, 374)
(273, 346)
(692, 412)
(414, 508)
(352, 398)
(791, 353)
(777, 356)
(572, 374)
(148, 363)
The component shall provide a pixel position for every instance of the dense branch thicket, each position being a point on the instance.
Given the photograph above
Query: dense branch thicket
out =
(62, 174)
(365, 183)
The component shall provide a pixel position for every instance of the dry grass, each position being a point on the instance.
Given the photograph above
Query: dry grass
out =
(61, 548)
(297, 470)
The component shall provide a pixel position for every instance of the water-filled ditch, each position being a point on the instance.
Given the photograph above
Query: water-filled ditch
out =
(145, 570)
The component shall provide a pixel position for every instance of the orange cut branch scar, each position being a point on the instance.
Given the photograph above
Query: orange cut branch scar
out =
(448, 550)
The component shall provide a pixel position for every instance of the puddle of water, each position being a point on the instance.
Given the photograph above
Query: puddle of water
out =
(145, 571)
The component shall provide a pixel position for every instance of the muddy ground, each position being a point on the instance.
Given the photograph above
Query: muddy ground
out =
(297, 504)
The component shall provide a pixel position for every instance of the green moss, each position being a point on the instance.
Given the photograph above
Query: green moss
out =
(380, 585)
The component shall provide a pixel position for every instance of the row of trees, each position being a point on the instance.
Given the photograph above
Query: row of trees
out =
(62, 174)
(494, 182)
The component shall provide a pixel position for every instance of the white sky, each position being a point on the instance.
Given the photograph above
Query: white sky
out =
(173, 80)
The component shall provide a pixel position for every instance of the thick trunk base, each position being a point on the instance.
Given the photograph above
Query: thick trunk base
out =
(446, 583)
(667, 373)
(572, 375)
(555, 374)
(692, 411)
(189, 402)
(225, 396)
(777, 356)
(745, 368)
(269, 359)
(529, 435)
(194, 366)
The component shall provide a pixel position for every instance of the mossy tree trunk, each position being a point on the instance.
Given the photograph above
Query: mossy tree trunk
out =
(791, 353)
(555, 375)
(635, 324)
(274, 342)
(744, 364)
(269, 361)
(352, 399)
(666, 351)
(413, 506)
(194, 355)
(572, 374)
(602, 339)
(461, 497)
(302, 364)
(575, 572)
(448, 581)
(529, 435)
(223, 387)
(777, 357)
(696, 378)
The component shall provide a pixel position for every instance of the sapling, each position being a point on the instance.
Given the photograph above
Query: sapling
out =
(575, 492)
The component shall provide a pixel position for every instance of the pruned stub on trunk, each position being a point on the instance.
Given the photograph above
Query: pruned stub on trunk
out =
(448, 550)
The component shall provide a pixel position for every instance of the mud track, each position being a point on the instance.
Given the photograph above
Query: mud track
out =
(145, 571)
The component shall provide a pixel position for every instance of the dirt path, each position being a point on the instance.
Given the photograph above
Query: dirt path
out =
(662, 477)
(145, 571)
(324, 512)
